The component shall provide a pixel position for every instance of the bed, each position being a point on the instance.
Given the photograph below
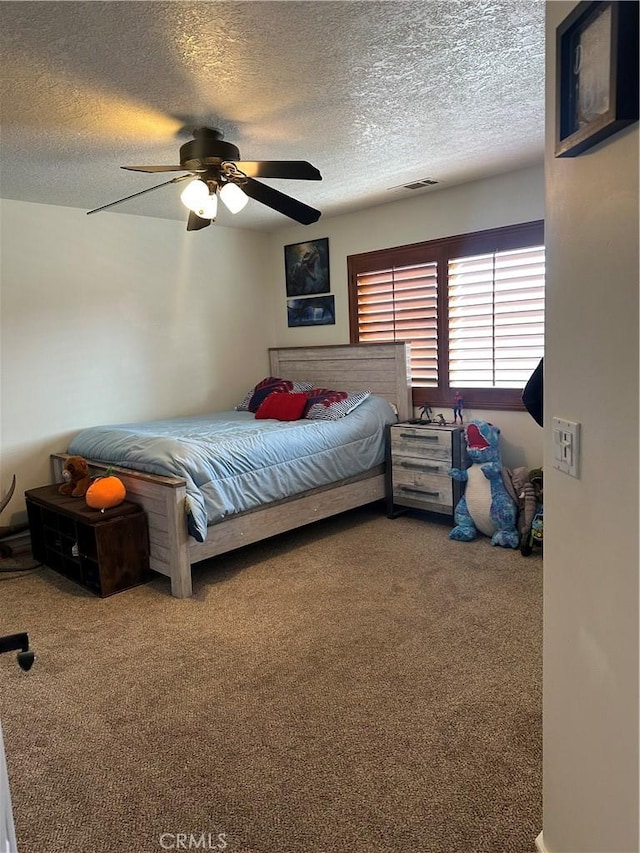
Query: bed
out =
(381, 368)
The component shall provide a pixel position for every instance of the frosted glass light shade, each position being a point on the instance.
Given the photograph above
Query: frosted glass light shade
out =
(196, 197)
(233, 197)
(194, 194)
(207, 208)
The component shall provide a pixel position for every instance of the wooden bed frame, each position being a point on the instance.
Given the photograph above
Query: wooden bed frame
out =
(381, 368)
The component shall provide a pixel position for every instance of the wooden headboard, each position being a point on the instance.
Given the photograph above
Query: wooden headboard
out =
(381, 368)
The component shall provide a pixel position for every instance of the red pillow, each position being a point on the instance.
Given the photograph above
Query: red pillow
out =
(282, 406)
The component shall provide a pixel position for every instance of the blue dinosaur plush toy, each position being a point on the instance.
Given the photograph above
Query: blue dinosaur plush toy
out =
(486, 505)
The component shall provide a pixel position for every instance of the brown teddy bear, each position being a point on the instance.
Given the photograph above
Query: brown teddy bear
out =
(76, 477)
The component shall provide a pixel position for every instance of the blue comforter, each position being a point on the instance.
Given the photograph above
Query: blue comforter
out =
(232, 462)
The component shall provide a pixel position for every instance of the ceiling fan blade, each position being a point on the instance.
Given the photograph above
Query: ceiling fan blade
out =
(155, 168)
(142, 192)
(284, 204)
(297, 170)
(195, 222)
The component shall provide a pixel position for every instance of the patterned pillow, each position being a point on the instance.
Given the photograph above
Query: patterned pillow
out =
(261, 391)
(282, 407)
(327, 405)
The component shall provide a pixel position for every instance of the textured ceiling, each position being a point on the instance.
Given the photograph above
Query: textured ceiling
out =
(374, 94)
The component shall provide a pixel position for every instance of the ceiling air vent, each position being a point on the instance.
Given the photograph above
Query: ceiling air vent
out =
(423, 184)
(418, 185)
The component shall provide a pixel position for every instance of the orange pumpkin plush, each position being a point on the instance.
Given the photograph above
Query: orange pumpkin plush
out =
(75, 474)
(105, 492)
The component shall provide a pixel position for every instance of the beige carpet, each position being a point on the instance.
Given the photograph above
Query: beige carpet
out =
(363, 685)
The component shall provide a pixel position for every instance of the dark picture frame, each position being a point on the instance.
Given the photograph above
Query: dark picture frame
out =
(306, 267)
(596, 74)
(311, 311)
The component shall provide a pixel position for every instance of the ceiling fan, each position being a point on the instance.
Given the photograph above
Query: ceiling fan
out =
(216, 168)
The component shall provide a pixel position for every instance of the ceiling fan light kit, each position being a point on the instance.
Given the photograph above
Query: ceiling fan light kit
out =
(207, 208)
(195, 194)
(216, 166)
(233, 197)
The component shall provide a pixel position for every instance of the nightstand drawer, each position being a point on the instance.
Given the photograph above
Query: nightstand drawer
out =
(420, 488)
(425, 465)
(416, 441)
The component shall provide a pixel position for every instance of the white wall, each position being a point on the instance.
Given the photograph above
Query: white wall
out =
(591, 523)
(115, 318)
(490, 203)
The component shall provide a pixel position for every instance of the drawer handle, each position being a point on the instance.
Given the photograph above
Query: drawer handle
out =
(420, 492)
(416, 466)
(428, 436)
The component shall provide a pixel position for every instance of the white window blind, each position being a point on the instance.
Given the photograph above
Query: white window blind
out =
(496, 318)
(400, 304)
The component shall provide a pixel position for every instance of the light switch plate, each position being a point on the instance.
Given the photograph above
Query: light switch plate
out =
(566, 446)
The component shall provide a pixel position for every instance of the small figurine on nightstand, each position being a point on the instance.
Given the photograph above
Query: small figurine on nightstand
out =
(425, 414)
(458, 403)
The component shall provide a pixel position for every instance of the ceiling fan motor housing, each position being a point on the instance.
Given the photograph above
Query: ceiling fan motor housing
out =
(207, 149)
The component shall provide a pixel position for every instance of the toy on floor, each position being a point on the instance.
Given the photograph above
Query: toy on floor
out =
(529, 488)
(523, 491)
(535, 535)
(486, 505)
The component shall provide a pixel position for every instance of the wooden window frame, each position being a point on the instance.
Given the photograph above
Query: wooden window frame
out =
(441, 251)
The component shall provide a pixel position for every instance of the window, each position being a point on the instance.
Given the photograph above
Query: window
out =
(471, 306)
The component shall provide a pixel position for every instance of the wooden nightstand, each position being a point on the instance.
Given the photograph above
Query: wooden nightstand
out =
(105, 552)
(418, 462)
